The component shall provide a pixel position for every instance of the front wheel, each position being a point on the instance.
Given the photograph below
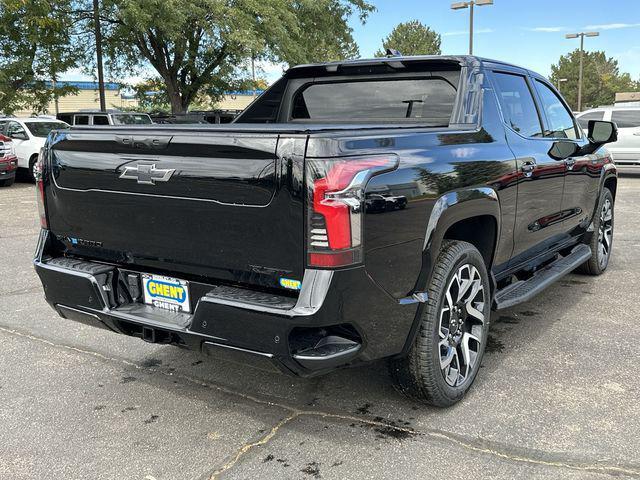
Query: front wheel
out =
(33, 168)
(448, 349)
(602, 239)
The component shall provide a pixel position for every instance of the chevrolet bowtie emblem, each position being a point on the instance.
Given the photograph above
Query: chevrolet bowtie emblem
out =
(147, 174)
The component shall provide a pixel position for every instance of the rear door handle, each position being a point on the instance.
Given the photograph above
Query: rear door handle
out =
(528, 166)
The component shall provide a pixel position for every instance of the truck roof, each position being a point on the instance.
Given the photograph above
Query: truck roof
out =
(398, 61)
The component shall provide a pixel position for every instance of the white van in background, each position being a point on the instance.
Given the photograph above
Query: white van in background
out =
(28, 136)
(110, 117)
(626, 151)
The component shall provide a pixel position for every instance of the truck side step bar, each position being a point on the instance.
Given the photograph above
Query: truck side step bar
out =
(524, 290)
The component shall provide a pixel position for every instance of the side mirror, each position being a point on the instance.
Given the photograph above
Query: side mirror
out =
(602, 132)
(562, 150)
(599, 133)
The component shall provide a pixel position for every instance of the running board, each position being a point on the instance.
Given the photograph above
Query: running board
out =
(524, 290)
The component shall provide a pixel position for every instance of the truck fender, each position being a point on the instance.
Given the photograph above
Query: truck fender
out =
(449, 209)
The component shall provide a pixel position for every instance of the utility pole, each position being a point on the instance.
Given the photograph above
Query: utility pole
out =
(96, 19)
(581, 35)
(253, 72)
(54, 84)
(470, 5)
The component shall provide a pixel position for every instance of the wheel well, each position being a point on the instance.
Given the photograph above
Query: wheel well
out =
(35, 155)
(612, 184)
(479, 231)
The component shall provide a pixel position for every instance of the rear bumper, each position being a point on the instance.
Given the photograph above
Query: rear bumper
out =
(7, 170)
(241, 324)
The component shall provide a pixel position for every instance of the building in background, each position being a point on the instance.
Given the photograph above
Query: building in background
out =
(628, 98)
(117, 98)
(87, 98)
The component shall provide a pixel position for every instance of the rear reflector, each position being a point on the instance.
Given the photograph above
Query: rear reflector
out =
(335, 207)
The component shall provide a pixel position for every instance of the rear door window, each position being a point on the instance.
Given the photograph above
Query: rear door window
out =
(583, 120)
(428, 100)
(82, 120)
(626, 118)
(100, 120)
(518, 108)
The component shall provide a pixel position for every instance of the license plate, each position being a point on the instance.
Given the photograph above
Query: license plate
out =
(166, 292)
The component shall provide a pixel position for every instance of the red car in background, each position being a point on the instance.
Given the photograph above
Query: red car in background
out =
(8, 162)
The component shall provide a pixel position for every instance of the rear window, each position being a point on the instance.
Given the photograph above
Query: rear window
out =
(131, 119)
(428, 100)
(626, 118)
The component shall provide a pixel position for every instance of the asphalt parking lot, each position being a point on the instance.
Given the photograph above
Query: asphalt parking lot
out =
(557, 397)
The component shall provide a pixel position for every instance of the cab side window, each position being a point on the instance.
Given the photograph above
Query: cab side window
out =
(518, 108)
(100, 120)
(16, 131)
(560, 122)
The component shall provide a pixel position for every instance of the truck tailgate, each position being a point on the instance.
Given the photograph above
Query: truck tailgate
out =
(221, 205)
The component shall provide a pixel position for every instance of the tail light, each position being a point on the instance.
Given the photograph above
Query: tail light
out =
(40, 190)
(335, 207)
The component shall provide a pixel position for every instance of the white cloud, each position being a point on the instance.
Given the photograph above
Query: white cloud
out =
(612, 26)
(546, 29)
(466, 32)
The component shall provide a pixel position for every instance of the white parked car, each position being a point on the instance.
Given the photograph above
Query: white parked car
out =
(29, 135)
(626, 151)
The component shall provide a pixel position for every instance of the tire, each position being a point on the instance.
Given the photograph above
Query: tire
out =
(8, 182)
(32, 165)
(601, 242)
(420, 375)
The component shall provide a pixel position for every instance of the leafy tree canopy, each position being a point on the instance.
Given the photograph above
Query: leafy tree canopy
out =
(36, 45)
(204, 46)
(412, 38)
(601, 79)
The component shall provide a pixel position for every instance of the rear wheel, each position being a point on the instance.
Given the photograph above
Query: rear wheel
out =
(602, 238)
(446, 355)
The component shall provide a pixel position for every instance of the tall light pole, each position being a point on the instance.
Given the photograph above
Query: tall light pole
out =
(561, 80)
(470, 4)
(98, 33)
(581, 35)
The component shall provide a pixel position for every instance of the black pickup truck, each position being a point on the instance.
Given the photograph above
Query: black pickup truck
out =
(252, 240)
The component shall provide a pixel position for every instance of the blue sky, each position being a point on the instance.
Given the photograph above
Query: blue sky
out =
(529, 33)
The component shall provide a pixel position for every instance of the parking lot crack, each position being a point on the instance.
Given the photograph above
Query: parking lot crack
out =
(248, 446)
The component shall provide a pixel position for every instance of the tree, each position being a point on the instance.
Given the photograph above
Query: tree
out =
(36, 45)
(412, 38)
(601, 79)
(205, 46)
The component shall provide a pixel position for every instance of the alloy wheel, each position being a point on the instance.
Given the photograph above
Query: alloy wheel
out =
(461, 326)
(34, 170)
(605, 233)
